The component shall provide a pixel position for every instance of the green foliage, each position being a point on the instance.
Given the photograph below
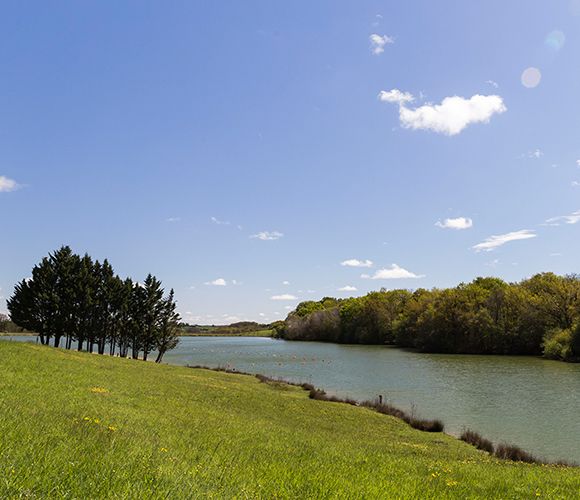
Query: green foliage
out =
(85, 302)
(159, 431)
(558, 344)
(487, 315)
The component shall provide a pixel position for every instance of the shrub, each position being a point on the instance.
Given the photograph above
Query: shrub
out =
(558, 344)
(515, 453)
(477, 440)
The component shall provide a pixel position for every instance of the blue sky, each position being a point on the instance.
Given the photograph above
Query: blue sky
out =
(261, 145)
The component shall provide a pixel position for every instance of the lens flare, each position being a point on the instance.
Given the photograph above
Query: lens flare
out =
(531, 77)
(555, 40)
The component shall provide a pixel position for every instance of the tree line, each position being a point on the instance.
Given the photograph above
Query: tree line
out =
(536, 316)
(70, 298)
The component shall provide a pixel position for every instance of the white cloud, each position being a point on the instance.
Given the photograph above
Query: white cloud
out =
(395, 96)
(7, 185)
(285, 282)
(392, 273)
(575, 183)
(450, 117)
(173, 219)
(495, 241)
(217, 282)
(573, 218)
(378, 43)
(284, 296)
(268, 235)
(578, 163)
(492, 83)
(357, 263)
(347, 288)
(457, 223)
(536, 153)
(215, 220)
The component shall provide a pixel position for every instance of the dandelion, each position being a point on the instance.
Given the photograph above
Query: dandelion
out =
(99, 390)
(112, 428)
(163, 450)
(86, 419)
(451, 483)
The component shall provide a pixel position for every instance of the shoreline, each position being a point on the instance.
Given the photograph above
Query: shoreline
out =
(501, 450)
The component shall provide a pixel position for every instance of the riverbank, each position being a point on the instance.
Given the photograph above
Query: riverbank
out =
(159, 430)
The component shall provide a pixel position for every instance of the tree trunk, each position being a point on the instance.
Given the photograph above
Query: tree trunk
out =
(56, 340)
(159, 356)
(145, 355)
(80, 345)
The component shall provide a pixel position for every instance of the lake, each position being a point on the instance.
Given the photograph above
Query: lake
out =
(531, 402)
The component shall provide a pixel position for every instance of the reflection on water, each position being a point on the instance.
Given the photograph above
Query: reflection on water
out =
(531, 402)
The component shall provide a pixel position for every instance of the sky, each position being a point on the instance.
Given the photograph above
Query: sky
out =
(255, 154)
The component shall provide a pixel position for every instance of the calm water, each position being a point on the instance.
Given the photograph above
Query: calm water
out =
(531, 402)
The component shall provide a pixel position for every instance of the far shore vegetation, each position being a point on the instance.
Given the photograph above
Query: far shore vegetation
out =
(539, 316)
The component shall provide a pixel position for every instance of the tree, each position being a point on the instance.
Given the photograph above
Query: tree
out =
(4, 322)
(167, 337)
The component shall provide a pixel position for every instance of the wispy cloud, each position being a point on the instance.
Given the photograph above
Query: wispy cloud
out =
(536, 154)
(357, 263)
(450, 117)
(7, 185)
(457, 223)
(378, 43)
(393, 273)
(217, 282)
(219, 222)
(268, 235)
(173, 219)
(284, 296)
(347, 288)
(492, 83)
(496, 241)
(285, 282)
(573, 218)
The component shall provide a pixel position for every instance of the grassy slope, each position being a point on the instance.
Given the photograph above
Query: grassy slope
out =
(177, 432)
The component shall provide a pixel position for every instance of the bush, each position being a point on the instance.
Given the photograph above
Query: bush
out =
(477, 440)
(558, 344)
(515, 453)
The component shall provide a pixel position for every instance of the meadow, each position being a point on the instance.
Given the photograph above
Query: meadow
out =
(80, 425)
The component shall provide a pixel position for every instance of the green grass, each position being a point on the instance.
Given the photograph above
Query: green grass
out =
(77, 425)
